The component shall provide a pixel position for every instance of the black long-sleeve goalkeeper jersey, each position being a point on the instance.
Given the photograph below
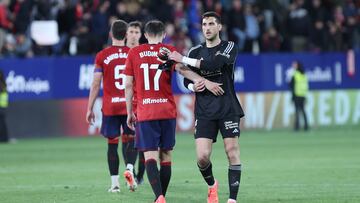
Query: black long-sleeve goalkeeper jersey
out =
(217, 65)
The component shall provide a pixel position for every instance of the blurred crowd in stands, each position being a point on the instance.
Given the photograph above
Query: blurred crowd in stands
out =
(255, 25)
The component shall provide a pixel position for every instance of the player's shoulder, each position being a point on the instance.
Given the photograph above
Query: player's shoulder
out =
(227, 43)
(195, 49)
(133, 51)
(228, 46)
(125, 48)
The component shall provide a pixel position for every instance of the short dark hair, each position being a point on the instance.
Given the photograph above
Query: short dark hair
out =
(118, 29)
(154, 28)
(135, 24)
(212, 14)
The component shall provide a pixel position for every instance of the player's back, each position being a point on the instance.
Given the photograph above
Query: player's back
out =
(155, 100)
(111, 61)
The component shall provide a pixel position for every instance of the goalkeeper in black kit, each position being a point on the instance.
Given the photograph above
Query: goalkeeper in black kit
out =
(216, 108)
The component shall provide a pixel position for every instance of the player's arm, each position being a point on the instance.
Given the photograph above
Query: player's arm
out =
(194, 87)
(129, 90)
(197, 82)
(129, 93)
(200, 86)
(226, 56)
(94, 92)
(180, 68)
(188, 73)
(189, 84)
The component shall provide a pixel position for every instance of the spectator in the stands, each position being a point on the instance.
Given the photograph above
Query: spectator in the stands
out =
(299, 26)
(23, 46)
(237, 23)
(252, 29)
(99, 25)
(271, 41)
(5, 22)
(21, 10)
(352, 32)
(66, 19)
(336, 28)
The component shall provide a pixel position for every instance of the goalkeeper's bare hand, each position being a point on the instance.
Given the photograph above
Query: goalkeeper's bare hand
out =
(176, 56)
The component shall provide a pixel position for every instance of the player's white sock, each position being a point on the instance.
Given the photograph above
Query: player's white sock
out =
(130, 167)
(231, 201)
(115, 180)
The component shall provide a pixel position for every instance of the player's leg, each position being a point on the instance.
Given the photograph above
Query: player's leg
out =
(113, 163)
(167, 143)
(230, 130)
(205, 134)
(141, 168)
(203, 152)
(153, 172)
(110, 128)
(147, 140)
(130, 151)
(124, 142)
(234, 171)
(165, 170)
(130, 155)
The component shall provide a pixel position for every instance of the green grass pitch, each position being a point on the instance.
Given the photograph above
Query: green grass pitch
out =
(278, 166)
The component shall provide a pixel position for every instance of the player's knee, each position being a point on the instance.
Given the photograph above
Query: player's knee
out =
(234, 158)
(203, 162)
(203, 159)
(233, 153)
(165, 156)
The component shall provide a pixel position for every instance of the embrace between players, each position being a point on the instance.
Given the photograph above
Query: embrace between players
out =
(137, 88)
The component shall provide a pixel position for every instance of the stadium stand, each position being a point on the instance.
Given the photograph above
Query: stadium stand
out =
(256, 25)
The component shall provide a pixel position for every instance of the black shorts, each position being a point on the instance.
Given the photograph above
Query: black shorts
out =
(229, 127)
